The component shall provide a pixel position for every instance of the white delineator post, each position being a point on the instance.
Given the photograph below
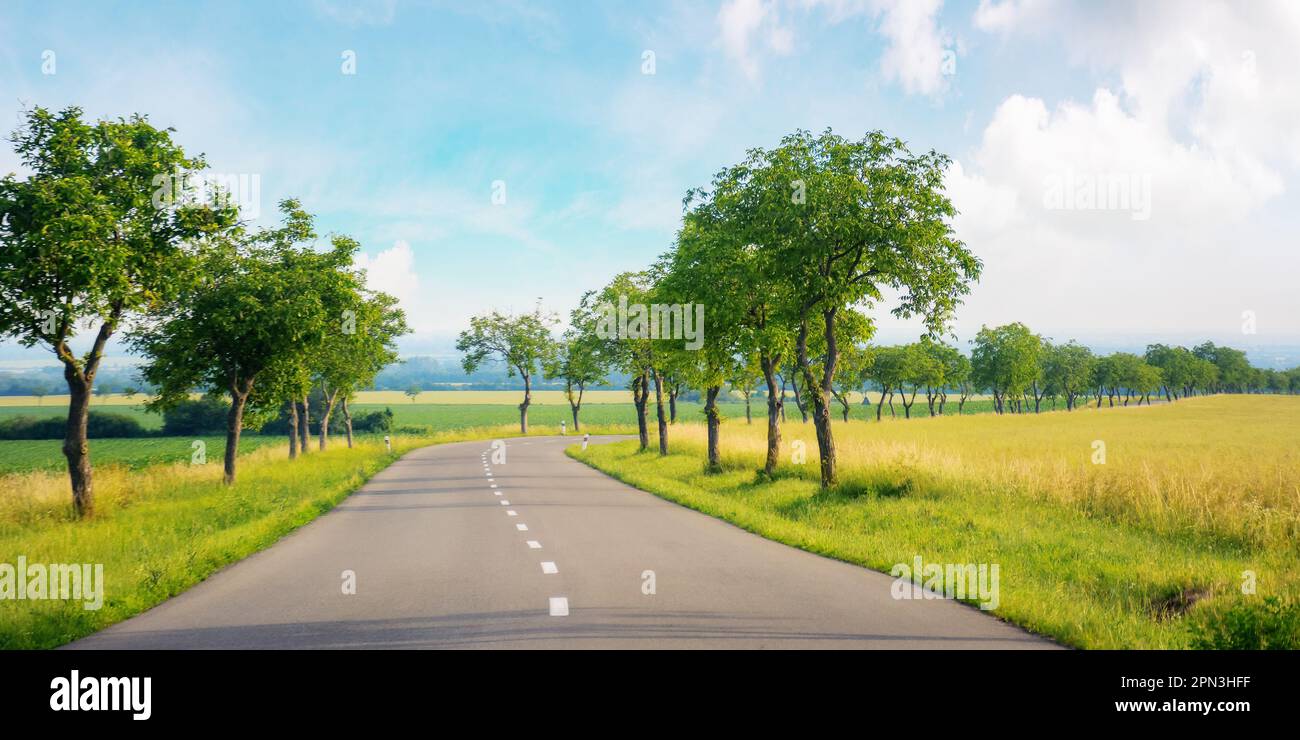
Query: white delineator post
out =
(388, 442)
(585, 437)
(563, 431)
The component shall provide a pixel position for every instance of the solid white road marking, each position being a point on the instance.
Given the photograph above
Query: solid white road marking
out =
(548, 567)
(559, 606)
(521, 527)
(534, 545)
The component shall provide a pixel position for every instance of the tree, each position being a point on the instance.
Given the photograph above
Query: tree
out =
(576, 360)
(744, 378)
(1175, 365)
(1233, 369)
(888, 369)
(633, 352)
(1069, 369)
(520, 341)
(261, 301)
(413, 391)
(360, 343)
(965, 383)
(750, 279)
(85, 240)
(846, 220)
(850, 374)
(702, 263)
(955, 373)
(1005, 360)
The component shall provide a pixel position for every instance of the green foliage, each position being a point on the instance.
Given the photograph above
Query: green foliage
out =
(520, 341)
(207, 415)
(99, 425)
(1270, 623)
(1006, 360)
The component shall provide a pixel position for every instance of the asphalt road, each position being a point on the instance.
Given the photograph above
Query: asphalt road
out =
(450, 551)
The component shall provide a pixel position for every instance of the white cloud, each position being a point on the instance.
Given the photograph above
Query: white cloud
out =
(1203, 109)
(391, 271)
(915, 56)
(740, 20)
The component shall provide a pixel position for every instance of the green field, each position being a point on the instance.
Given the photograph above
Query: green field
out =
(45, 454)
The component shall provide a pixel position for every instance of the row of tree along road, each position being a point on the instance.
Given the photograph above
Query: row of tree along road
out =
(785, 253)
(260, 317)
(786, 250)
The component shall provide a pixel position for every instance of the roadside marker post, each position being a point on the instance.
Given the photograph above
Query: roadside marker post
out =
(388, 442)
(586, 436)
(563, 431)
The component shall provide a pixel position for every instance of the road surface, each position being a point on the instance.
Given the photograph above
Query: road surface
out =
(447, 550)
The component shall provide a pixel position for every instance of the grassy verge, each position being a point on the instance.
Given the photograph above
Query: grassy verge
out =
(160, 530)
(1146, 551)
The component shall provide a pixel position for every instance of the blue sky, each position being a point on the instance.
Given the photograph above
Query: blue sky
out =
(1195, 99)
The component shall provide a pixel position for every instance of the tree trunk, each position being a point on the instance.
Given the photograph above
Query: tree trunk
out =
(304, 425)
(640, 395)
(712, 417)
(749, 419)
(76, 447)
(781, 403)
(773, 413)
(880, 405)
(81, 382)
(293, 430)
(673, 390)
(325, 415)
(523, 407)
(347, 420)
(659, 413)
(234, 425)
(821, 411)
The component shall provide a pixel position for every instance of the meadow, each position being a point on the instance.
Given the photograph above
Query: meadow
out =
(1150, 546)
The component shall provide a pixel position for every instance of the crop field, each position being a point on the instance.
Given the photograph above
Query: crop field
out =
(1125, 527)
(139, 452)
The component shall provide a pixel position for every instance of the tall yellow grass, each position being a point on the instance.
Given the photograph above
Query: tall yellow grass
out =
(1224, 465)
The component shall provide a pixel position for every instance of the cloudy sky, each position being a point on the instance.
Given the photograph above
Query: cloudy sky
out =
(1123, 169)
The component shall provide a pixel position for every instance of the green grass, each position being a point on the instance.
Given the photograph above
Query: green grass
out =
(161, 530)
(23, 455)
(1085, 575)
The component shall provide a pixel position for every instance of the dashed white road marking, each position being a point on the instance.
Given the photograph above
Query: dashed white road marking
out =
(511, 512)
(548, 567)
(494, 485)
(559, 606)
(504, 502)
(521, 527)
(534, 545)
(496, 493)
